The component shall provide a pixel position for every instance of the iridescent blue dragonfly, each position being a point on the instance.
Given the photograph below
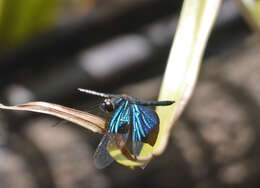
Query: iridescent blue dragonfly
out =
(130, 116)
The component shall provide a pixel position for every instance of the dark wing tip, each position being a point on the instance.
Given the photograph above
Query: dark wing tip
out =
(152, 136)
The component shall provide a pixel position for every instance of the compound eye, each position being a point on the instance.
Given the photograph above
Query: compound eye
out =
(107, 106)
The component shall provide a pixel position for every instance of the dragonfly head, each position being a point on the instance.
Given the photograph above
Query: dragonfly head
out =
(108, 105)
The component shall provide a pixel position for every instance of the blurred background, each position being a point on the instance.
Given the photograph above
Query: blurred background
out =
(49, 48)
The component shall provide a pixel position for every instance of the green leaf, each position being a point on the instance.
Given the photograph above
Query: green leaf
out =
(21, 19)
(251, 11)
(195, 24)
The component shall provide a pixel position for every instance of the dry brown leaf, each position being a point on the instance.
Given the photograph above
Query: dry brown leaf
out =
(84, 119)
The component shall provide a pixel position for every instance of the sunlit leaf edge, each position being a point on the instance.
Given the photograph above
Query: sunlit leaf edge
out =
(197, 18)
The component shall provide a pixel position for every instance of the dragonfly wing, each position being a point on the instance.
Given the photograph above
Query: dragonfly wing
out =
(137, 147)
(120, 119)
(145, 124)
(101, 156)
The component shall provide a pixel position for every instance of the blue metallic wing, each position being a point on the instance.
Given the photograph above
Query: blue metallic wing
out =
(120, 118)
(145, 124)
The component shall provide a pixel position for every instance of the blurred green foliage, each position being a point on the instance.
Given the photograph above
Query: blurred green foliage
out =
(21, 19)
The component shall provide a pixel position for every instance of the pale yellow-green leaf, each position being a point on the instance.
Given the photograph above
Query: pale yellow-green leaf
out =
(251, 11)
(196, 21)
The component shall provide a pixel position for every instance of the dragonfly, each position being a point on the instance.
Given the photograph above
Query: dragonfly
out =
(131, 116)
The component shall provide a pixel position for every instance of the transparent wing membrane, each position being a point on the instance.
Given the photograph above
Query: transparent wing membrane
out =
(101, 156)
(137, 147)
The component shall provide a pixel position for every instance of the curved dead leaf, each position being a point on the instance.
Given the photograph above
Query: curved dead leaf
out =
(84, 119)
